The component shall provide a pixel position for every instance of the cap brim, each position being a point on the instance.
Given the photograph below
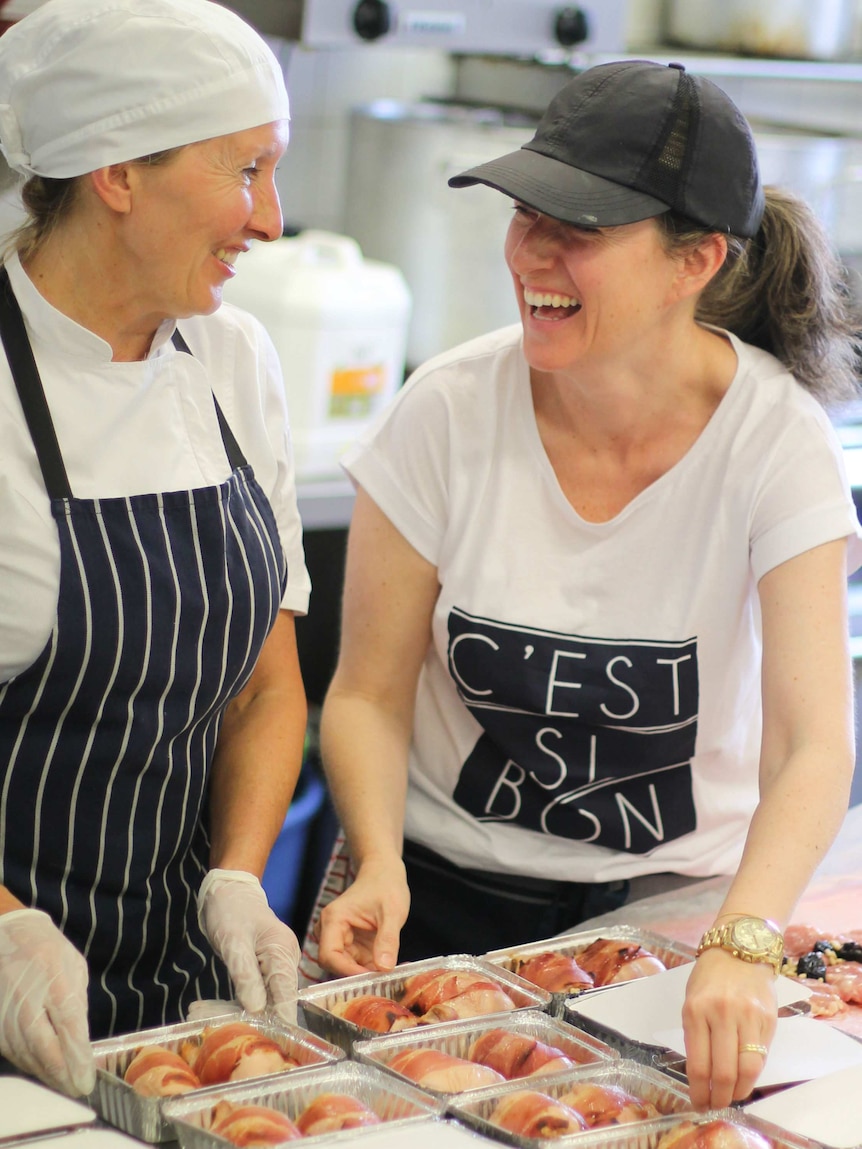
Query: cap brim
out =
(561, 191)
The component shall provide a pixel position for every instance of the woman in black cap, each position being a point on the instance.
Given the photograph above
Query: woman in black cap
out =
(595, 635)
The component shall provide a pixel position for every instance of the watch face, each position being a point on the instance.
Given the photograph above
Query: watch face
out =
(753, 934)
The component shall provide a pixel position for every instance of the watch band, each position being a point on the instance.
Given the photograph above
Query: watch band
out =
(723, 937)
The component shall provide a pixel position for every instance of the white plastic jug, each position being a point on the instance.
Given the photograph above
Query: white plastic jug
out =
(339, 323)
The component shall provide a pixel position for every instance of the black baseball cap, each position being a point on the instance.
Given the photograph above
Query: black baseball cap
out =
(629, 140)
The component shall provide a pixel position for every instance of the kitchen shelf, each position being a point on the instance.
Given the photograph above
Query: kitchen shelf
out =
(747, 67)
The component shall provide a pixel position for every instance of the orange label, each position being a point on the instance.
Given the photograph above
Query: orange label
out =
(352, 389)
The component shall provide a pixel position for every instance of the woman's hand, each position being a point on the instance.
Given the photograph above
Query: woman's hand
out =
(729, 1004)
(43, 1003)
(359, 931)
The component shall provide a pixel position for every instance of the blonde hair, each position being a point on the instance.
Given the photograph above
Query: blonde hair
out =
(787, 292)
(49, 202)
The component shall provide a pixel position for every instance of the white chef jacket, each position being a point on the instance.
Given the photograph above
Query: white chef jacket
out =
(128, 429)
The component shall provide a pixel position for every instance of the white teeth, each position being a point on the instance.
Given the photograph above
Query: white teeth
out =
(546, 299)
(226, 256)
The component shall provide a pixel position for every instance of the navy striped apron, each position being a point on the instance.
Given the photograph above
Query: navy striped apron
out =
(106, 741)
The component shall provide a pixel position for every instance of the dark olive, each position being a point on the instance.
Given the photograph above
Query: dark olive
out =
(850, 951)
(811, 965)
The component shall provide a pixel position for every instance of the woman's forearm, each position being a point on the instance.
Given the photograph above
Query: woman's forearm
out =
(258, 757)
(364, 750)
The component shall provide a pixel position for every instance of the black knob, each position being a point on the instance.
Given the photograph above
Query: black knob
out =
(371, 19)
(571, 26)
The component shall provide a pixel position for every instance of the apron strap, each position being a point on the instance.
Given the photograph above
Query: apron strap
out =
(29, 387)
(234, 454)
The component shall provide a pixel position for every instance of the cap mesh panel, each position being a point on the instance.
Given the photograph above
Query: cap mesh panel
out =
(665, 172)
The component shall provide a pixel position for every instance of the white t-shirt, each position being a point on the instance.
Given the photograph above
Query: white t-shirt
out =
(590, 707)
(133, 428)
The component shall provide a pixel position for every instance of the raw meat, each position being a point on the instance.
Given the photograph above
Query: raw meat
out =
(530, 1114)
(713, 1135)
(514, 1055)
(601, 1105)
(371, 1011)
(482, 998)
(555, 972)
(846, 977)
(434, 1069)
(158, 1072)
(825, 1000)
(234, 1051)
(434, 987)
(608, 961)
(331, 1112)
(247, 1125)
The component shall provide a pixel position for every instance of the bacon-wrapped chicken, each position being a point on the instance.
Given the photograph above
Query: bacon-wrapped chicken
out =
(717, 1134)
(158, 1072)
(250, 1125)
(332, 1112)
(434, 1069)
(608, 961)
(602, 1105)
(450, 995)
(555, 972)
(532, 1114)
(234, 1051)
(371, 1011)
(516, 1055)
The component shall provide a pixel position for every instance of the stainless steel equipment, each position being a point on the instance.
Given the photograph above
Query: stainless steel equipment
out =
(448, 244)
(493, 27)
(796, 29)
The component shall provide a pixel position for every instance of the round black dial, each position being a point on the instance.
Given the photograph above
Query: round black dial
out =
(372, 19)
(571, 26)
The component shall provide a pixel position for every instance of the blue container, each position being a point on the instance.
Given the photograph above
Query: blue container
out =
(284, 868)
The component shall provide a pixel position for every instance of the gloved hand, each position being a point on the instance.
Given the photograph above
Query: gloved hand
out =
(259, 950)
(209, 1007)
(43, 1003)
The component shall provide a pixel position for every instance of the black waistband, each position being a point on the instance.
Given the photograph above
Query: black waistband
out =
(417, 855)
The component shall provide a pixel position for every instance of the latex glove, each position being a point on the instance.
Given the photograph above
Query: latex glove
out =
(209, 1007)
(43, 1003)
(259, 950)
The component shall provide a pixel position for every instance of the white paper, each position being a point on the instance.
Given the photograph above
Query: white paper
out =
(27, 1108)
(649, 1009)
(801, 1049)
(88, 1139)
(826, 1109)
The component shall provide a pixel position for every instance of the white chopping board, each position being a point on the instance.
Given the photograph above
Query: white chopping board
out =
(27, 1109)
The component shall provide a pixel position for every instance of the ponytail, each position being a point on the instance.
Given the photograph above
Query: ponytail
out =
(787, 292)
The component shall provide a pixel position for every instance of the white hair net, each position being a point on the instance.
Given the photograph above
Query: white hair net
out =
(88, 83)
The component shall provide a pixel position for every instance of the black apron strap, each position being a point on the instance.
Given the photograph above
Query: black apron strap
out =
(31, 393)
(235, 456)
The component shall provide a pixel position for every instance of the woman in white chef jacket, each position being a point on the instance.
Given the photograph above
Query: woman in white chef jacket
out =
(151, 709)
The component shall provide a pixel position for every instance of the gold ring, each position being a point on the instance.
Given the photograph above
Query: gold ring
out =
(752, 1047)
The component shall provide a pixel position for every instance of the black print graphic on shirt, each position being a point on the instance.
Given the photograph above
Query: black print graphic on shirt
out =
(584, 738)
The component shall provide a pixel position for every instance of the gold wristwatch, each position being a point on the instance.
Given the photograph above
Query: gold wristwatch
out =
(750, 939)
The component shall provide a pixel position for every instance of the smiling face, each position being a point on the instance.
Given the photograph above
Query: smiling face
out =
(192, 216)
(588, 296)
